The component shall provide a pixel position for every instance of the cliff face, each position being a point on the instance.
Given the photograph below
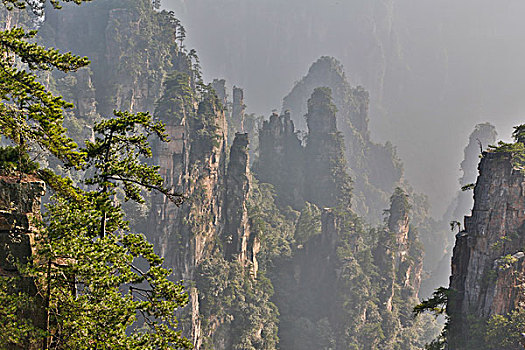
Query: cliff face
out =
(394, 256)
(211, 228)
(229, 241)
(488, 261)
(437, 259)
(238, 109)
(131, 48)
(238, 239)
(19, 213)
(327, 183)
(19, 210)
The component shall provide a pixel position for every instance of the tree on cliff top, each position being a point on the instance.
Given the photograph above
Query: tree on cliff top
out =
(96, 288)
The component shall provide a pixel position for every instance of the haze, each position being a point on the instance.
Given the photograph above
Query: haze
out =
(434, 69)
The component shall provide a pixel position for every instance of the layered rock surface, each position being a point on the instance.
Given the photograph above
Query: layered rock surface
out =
(488, 267)
(19, 216)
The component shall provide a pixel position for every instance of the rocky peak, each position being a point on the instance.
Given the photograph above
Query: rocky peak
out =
(321, 112)
(394, 254)
(219, 85)
(327, 183)
(281, 153)
(238, 108)
(374, 168)
(483, 135)
(398, 222)
(488, 261)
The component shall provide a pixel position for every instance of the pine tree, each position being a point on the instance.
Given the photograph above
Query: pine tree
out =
(100, 285)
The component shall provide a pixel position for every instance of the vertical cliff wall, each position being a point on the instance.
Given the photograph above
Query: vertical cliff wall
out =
(211, 229)
(19, 213)
(488, 262)
(441, 241)
(238, 109)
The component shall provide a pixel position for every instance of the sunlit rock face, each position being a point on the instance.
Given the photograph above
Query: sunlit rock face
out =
(213, 219)
(488, 262)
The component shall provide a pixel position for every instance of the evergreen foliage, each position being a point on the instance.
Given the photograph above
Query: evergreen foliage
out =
(96, 281)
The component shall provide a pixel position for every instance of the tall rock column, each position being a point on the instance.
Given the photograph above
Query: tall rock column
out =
(488, 268)
(327, 183)
(238, 109)
(239, 242)
(400, 262)
(281, 159)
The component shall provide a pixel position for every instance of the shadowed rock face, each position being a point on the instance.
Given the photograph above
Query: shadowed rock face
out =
(488, 262)
(315, 172)
(195, 163)
(237, 187)
(19, 210)
(281, 160)
(374, 168)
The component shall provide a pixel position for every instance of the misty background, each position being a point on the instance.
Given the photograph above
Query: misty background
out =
(434, 69)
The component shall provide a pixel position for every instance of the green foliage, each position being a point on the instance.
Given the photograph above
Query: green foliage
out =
(517, 149)
(321, 100)
(14, 160)
(177, 99)
(455, 224)
(96, 282)
(309, 224)
(506, 332)
(436, 304)
(97, 291)
(519, 133)
(505, 262)
(273, 229)
(15, 304)
(36, 5)
(104, 287)
(29, 113)
(115, 156)
(468, 187)
(228, 292)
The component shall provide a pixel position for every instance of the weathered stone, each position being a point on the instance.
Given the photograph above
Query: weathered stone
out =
(487, 264)
(326, 183)
(214, 210)
(238, 109)
(219, 85)
(19, 211)
(236, 229)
